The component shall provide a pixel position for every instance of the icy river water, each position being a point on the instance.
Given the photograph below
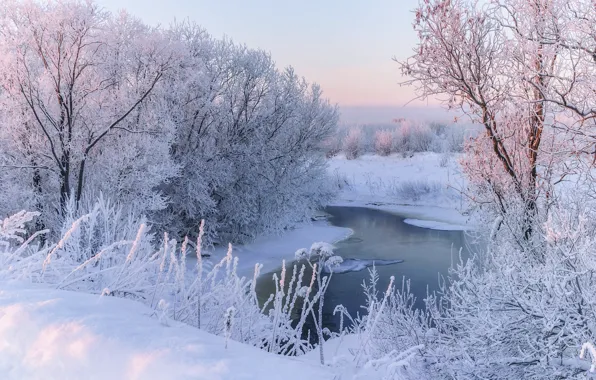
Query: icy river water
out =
(398, 249)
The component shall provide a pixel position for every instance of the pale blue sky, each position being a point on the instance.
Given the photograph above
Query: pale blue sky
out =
(345, 46)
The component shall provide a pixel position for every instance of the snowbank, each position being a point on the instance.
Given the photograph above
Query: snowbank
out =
(271, 250)
(341, 349)
(435, 225)
(50, 334)
(389, 184)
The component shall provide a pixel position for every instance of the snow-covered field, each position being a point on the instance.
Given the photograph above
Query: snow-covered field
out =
(424, 187)
(59, 335)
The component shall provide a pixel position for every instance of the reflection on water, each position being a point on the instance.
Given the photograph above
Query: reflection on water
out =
(380, 235)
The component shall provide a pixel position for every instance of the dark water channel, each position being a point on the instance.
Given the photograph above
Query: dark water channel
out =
(382, 237)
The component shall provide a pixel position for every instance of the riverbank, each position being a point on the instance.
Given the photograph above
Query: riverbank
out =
(426, 187)
(270, 250)
(388, 184)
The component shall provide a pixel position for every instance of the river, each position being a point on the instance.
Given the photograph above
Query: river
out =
(385, 239)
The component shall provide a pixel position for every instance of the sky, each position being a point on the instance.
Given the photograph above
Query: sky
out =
(345, 46)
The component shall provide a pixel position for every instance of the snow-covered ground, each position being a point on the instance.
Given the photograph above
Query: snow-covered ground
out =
(58, 335)
(424, 187)
(269, 251)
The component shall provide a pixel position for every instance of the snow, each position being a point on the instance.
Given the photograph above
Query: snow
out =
(50, 334)
(340, 354)
(372, 181)
(435, 225)
(338, 349)
(270, 250)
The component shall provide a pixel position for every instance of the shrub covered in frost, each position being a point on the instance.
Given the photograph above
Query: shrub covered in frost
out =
(352, 144)
(383, 142)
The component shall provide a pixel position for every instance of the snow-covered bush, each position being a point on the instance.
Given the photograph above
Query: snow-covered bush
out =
(400, 325)
(12, 228)
(589, 347)
(390, 335)
(455, 138)
(413, 137)
(520, 310)
(331, 146)
(352, 144)
(421, 138)
(340, 181)
(15, 247)
(406, 137)
(383, 142)
(105, 222)
(438, 128)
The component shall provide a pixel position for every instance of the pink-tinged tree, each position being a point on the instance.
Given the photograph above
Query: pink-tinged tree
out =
(352, 143)
(75, 84)
(383, 142)
(522, 307)
(469, 56)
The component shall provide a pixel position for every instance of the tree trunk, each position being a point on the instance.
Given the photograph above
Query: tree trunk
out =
(64, 184)
(80, 181)
(39, 224)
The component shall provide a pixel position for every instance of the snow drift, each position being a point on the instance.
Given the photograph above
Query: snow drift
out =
(53, 334)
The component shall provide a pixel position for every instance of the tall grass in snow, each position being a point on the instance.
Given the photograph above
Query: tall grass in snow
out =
(217, 300)
(414, 190)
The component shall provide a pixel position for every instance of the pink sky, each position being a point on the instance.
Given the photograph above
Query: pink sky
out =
(345, 46)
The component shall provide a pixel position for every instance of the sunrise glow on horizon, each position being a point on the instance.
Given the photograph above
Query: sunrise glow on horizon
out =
(345, 46)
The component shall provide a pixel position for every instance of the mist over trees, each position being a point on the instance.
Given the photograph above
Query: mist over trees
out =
(170, 122)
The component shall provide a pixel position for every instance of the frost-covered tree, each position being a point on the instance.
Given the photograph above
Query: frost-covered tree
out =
(170, 122)
(247, 138)
(75, 94)
(496, 62)
(383, 142)
(521, 308)
(352, 144)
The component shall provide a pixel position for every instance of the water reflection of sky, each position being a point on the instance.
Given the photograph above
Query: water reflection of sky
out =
(384, 236)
